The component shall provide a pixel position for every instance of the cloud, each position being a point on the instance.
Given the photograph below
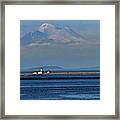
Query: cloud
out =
(38, 44)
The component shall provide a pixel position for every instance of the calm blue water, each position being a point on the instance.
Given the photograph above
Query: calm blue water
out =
(57, 89)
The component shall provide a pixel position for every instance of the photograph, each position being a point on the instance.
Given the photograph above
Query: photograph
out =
(59, 59)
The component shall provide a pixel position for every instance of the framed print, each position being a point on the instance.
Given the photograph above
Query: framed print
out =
(59, 60)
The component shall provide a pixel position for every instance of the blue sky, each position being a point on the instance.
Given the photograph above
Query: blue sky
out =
(66, 43)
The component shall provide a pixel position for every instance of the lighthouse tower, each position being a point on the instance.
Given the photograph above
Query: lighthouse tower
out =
(41, 71)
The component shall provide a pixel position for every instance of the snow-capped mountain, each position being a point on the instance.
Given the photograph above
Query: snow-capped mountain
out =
(46, 27)
(49, 34)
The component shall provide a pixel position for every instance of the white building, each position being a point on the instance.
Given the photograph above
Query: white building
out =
(34, 73)
(40, 72)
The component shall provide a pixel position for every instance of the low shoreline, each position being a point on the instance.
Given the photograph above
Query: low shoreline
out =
(81, 73)
(66, 75)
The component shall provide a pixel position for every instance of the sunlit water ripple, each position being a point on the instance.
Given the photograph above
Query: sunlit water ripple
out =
(70, 89)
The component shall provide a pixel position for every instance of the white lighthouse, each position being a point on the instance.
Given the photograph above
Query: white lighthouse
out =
(41, 71)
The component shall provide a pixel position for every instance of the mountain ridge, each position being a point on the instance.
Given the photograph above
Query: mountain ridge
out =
(58, 68)
(54, 35)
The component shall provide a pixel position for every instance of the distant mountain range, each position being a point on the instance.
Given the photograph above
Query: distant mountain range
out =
(58, 68)
(49, 34)
(95, 68)
(45, 68)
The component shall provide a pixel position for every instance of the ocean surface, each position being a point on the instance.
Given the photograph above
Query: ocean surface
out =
(60, 89)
